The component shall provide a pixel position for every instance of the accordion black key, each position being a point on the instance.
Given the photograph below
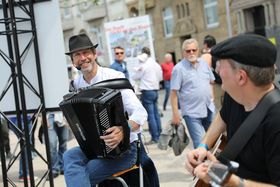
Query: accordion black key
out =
(89, 113)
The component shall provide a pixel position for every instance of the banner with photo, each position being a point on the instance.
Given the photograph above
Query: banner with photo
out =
(132, 34)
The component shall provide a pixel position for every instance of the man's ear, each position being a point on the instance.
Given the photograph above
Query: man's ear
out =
(242, 77)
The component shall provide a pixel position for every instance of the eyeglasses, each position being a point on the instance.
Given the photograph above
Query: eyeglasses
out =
(191, 50)
(119, 53)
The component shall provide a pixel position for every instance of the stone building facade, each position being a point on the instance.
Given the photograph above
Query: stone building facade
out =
(173, 21)
(260, 17)
(189, 19)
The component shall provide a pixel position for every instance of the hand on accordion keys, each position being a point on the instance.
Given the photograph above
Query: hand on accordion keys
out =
(114, 135)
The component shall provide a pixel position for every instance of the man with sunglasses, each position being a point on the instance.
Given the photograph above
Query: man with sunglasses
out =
(119, 64)
(190, 83)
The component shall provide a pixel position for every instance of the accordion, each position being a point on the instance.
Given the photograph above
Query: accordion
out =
(90, 112)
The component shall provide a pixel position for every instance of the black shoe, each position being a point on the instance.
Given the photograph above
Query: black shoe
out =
(54, 175)
(61, 172)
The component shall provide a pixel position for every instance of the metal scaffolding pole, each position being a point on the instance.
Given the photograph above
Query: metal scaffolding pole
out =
(19, 83)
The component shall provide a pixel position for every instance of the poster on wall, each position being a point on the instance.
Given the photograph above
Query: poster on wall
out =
(132, 34)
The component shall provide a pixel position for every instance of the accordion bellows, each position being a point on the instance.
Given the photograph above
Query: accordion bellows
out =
(89, 113)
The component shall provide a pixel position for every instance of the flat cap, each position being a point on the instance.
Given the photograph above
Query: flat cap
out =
(248, 49)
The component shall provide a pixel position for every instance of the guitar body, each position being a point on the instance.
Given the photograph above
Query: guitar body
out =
(200, 183)
(216, 150)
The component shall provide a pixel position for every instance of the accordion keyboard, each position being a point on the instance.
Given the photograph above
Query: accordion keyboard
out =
(105, 122)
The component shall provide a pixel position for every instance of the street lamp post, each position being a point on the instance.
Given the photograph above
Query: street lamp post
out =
(228, 19)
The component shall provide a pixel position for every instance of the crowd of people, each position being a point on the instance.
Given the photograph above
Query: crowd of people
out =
(191, 87)
(214, 89)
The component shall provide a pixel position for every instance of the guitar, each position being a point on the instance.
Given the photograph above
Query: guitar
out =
(216, 150)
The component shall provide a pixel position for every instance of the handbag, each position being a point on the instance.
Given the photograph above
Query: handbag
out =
(179, 140)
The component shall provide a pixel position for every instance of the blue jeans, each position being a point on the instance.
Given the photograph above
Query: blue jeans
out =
(167, 93)
(81, 172)
(149, 100)
(58, 137)
(24, 151)
(198, 126)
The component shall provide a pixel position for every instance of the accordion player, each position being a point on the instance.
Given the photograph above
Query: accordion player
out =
(90, 112)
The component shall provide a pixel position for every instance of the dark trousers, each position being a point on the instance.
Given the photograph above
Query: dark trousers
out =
(5, 136)
(132, 178)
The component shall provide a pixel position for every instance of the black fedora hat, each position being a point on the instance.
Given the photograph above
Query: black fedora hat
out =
(79, 42)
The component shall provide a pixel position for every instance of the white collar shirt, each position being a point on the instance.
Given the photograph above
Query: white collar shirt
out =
(135, 110)
(150, 74)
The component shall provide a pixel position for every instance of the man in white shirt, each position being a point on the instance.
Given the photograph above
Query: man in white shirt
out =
(150, 74)
(78, 170)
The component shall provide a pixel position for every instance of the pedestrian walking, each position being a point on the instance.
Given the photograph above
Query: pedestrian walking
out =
(208, 42)
(167, 67)
(191, 84)
(150, 74)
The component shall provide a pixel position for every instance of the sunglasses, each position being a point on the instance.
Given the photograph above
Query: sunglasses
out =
(191, 50)
(117, 53)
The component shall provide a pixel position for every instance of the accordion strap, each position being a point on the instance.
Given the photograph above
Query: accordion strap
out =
(119, 83)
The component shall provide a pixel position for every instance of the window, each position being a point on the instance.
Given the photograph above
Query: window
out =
(211, 13)
(96, 33)
(133, 12)
(187, 9)
(182, 10)
(83, 5)
(178, 11)
(67, 11)
(167, 21)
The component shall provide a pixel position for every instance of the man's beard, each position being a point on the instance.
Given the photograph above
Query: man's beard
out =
(192, 59)
(88, 68)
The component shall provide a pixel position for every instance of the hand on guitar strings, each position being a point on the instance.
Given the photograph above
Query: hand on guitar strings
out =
(194, 158)
(114, 135)
(201, 171)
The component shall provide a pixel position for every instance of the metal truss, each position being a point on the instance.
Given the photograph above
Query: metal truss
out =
(22, 25)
